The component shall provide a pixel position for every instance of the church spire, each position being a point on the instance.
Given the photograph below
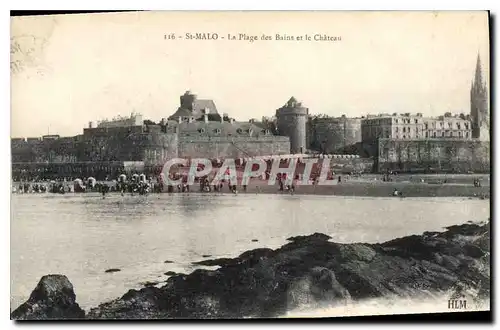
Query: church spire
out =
(478, 78)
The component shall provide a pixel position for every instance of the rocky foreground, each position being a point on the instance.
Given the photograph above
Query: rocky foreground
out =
(309, 269)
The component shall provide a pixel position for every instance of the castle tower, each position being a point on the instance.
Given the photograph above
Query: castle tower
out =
(479, 105)
(291, 120)
(188, 100)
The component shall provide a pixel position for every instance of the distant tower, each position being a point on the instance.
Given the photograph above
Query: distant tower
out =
(479, 105)
(291, 120)
(188, 100)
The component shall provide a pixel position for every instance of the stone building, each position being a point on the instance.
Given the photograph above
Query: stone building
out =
(395, 126)
(409, 127)
(447, 126)
(291, 122)
(133, 120)
(195, 130)
(479, 105)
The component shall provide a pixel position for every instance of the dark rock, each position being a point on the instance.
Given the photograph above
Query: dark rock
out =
(52, 299)
(206, 256)
(215, 262)
(357, 252)
(266, 282)
(313, 237)
(149, 283)
(255, 240)
(171, 273)
(112, 270)
(169, 262)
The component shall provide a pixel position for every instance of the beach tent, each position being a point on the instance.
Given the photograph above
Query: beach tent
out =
(91, 181)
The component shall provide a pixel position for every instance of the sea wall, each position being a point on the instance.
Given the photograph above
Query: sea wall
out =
(236, 147)
(434, 155)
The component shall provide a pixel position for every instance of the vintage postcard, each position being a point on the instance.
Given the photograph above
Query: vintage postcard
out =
(234, 165)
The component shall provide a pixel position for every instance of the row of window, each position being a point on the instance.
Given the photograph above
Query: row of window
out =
(387, 134)
(407, 121)
(450, 134)
(450, 125)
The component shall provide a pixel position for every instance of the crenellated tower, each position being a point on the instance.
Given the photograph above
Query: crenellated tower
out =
(291, 120)
(479, 105)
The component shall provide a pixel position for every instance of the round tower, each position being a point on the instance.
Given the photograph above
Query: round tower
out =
(291, 122)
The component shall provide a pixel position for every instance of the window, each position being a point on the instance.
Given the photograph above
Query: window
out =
(459, 134)
(426, 134)
(409, 129)
(217, 131)
(426, 126)
(239, 131)
(466, 134)
(404, 136)
(434, 135)
(201, 130)
(396, 121)
(442, 134)
(416, 121)
(397, 129)
(404, 129)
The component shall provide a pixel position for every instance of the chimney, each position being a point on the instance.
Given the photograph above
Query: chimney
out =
(180, 119)
(231, 120)
(221, 118)
(205, 117)
(191, 119)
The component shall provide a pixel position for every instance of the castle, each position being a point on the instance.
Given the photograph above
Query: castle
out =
(105, 149)
(197, 129)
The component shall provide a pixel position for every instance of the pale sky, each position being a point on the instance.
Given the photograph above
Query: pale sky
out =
(72, 69)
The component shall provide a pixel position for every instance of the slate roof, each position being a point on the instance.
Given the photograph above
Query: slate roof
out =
(181, 113)
(202, 104)
(214, 128)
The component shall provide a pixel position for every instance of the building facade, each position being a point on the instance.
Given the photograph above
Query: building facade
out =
(410, 127)
(447, 126)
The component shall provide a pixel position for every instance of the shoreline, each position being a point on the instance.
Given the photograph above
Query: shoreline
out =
(345, 189)
(307, 270)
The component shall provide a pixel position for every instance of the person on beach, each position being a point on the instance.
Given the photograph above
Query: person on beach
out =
(280, 182)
